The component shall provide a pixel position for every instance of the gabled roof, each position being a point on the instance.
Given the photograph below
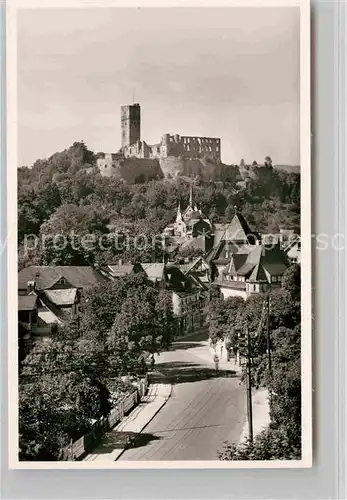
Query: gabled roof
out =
(27, 302)
(219, 252)
(236, 262)
(238, 229)
(46, 277)
(258, 262)
(118, 271)
(186, 268)
(258, 274)
(194, 220)
(154, 270)
(63, 297)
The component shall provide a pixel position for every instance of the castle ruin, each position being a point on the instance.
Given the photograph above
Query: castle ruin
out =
(176, 146)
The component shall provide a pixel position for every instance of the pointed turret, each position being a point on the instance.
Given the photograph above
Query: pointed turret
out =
(179, 213)
(191, 196)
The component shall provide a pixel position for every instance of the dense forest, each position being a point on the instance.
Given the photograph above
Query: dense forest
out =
(66, 193)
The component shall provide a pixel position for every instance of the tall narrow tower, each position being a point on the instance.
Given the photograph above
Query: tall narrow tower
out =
(131, 124)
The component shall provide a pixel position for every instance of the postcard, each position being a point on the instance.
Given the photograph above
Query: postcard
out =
(159, 213)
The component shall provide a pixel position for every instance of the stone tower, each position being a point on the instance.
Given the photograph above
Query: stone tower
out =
(131, 124)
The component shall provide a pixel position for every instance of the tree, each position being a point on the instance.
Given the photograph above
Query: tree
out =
(223, 318)
(103, 302)
(268, 161)
(71, 236)
(62, 389)
(144, 324)
(269, 444)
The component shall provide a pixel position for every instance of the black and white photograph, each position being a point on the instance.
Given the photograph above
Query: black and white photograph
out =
(162, 236)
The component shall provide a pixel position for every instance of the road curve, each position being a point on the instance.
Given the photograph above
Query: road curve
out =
(204, 410)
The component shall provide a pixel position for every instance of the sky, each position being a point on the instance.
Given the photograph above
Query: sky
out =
(225, 72)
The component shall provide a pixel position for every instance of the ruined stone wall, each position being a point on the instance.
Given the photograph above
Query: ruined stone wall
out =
(190, 147)
(201, 146)
(131, 170)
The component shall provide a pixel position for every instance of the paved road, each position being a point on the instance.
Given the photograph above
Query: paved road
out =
(204, 410)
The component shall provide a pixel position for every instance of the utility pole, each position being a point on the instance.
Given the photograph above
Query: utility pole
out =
(249, 386)
(268, 335)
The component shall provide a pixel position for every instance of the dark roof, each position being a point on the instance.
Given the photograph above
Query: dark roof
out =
(275, 268)
(246, 269)
(257, 262)
(27, 302)
(237, 261)
(46, 276)
(258, 274)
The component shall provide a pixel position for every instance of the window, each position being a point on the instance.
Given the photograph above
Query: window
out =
(62, 281)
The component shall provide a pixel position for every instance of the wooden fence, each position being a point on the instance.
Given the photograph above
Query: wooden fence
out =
(78, 448)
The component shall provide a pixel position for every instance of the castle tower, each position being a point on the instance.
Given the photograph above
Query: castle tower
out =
(130, 124)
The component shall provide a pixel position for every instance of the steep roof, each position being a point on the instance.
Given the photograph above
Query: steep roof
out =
(236, 262)
(254, 265)
(46, 277)
(258, 274)
(238, 229)
(185, 268)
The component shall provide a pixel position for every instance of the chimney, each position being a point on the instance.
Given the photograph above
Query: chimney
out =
(120, 262)
(263, 249)
(31, 286)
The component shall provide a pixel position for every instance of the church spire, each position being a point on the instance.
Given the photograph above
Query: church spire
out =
(179, 213)
(191, 196)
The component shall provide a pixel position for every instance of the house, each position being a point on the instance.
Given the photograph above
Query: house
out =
(120, 270)
(198, 269)
(189, 299)
(252, 271)
(293, 251)
(235, 237)
(49, 296)
(188, 292)
(27, 321)
(155, 272)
